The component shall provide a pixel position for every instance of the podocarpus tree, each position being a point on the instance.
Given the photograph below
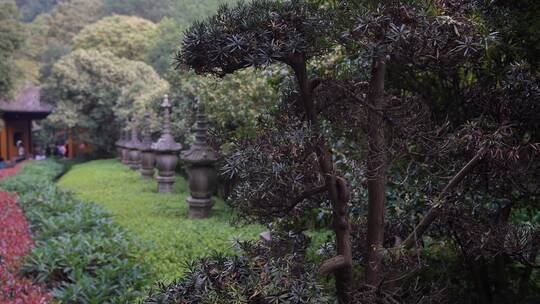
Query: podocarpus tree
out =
(442, 45)
(397, 37)
(290, 32)
(429, 44)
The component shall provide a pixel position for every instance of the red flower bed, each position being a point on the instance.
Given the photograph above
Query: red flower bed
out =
(15, 242)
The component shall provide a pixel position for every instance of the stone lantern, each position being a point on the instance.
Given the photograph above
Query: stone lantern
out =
(118, 144)
(125, 151)
(202, 176)
(166, 150)
(133, 147)
(147, 153)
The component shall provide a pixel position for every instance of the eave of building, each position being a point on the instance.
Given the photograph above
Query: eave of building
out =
(27, 105)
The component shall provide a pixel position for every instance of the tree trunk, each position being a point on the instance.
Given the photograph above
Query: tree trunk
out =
(376, 174)
(525, 280)
(501, 261)
(337, 190)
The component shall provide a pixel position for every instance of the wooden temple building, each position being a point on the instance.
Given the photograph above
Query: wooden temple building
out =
(17, 119)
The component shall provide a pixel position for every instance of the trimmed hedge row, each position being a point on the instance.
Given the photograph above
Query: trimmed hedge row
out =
(80, 253)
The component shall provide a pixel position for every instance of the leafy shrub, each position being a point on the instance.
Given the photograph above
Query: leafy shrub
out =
(53, 211)
(274, 272)
(33, 176)
(80, 253)
(87, 267)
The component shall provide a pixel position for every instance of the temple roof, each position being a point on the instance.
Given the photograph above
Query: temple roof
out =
(27, 102)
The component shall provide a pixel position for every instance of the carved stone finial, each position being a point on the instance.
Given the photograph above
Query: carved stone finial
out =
(200, 152)
(166, 142)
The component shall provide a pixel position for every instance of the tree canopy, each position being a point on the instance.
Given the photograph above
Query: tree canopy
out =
(31, 8)
(61, 25)
(125, 36)
(93, 91)
(11, 40)
(269, 31)
(341, 136)
(186, 11)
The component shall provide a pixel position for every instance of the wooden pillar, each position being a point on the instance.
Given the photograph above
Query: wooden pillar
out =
(10, 143)
(30, 148)
(4, 143)
(71, 145)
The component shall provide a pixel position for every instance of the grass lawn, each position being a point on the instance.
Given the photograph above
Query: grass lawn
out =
(160, 220)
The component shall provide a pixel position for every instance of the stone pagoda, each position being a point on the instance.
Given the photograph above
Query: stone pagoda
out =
(202, 176)
(133, 146)
(147, 153)
(166, 149)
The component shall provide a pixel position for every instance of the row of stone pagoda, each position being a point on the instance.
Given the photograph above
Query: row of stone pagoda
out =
(146, 156)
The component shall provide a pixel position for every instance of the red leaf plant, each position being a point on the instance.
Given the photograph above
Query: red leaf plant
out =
(15, 243)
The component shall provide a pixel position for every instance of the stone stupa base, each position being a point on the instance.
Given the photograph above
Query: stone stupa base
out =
(147, 173)
(165, 184)
(199, 208)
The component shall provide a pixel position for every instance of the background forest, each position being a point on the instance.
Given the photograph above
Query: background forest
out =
(403, 135)
(99, 62)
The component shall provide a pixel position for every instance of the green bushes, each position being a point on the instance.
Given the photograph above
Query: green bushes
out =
(273, 272)
(33, 176)
(80, 253)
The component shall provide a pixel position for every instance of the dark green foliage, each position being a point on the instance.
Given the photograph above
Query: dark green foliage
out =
(31, 8)
(255, 34)
(11, 40)
(79, 253)
(54, 51)
(518, 24)
(182, 10)
(33, 177)
(161, 53)
(151, 10)
(441, 106)
(515, 100)
(285, 183)
(94, 92)
(51, 218)
(94, 267)
(276, 272)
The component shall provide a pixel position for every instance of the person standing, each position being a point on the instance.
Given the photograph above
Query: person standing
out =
(21, 151)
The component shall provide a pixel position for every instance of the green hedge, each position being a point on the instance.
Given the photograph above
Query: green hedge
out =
(80, 253)
(33, 176)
